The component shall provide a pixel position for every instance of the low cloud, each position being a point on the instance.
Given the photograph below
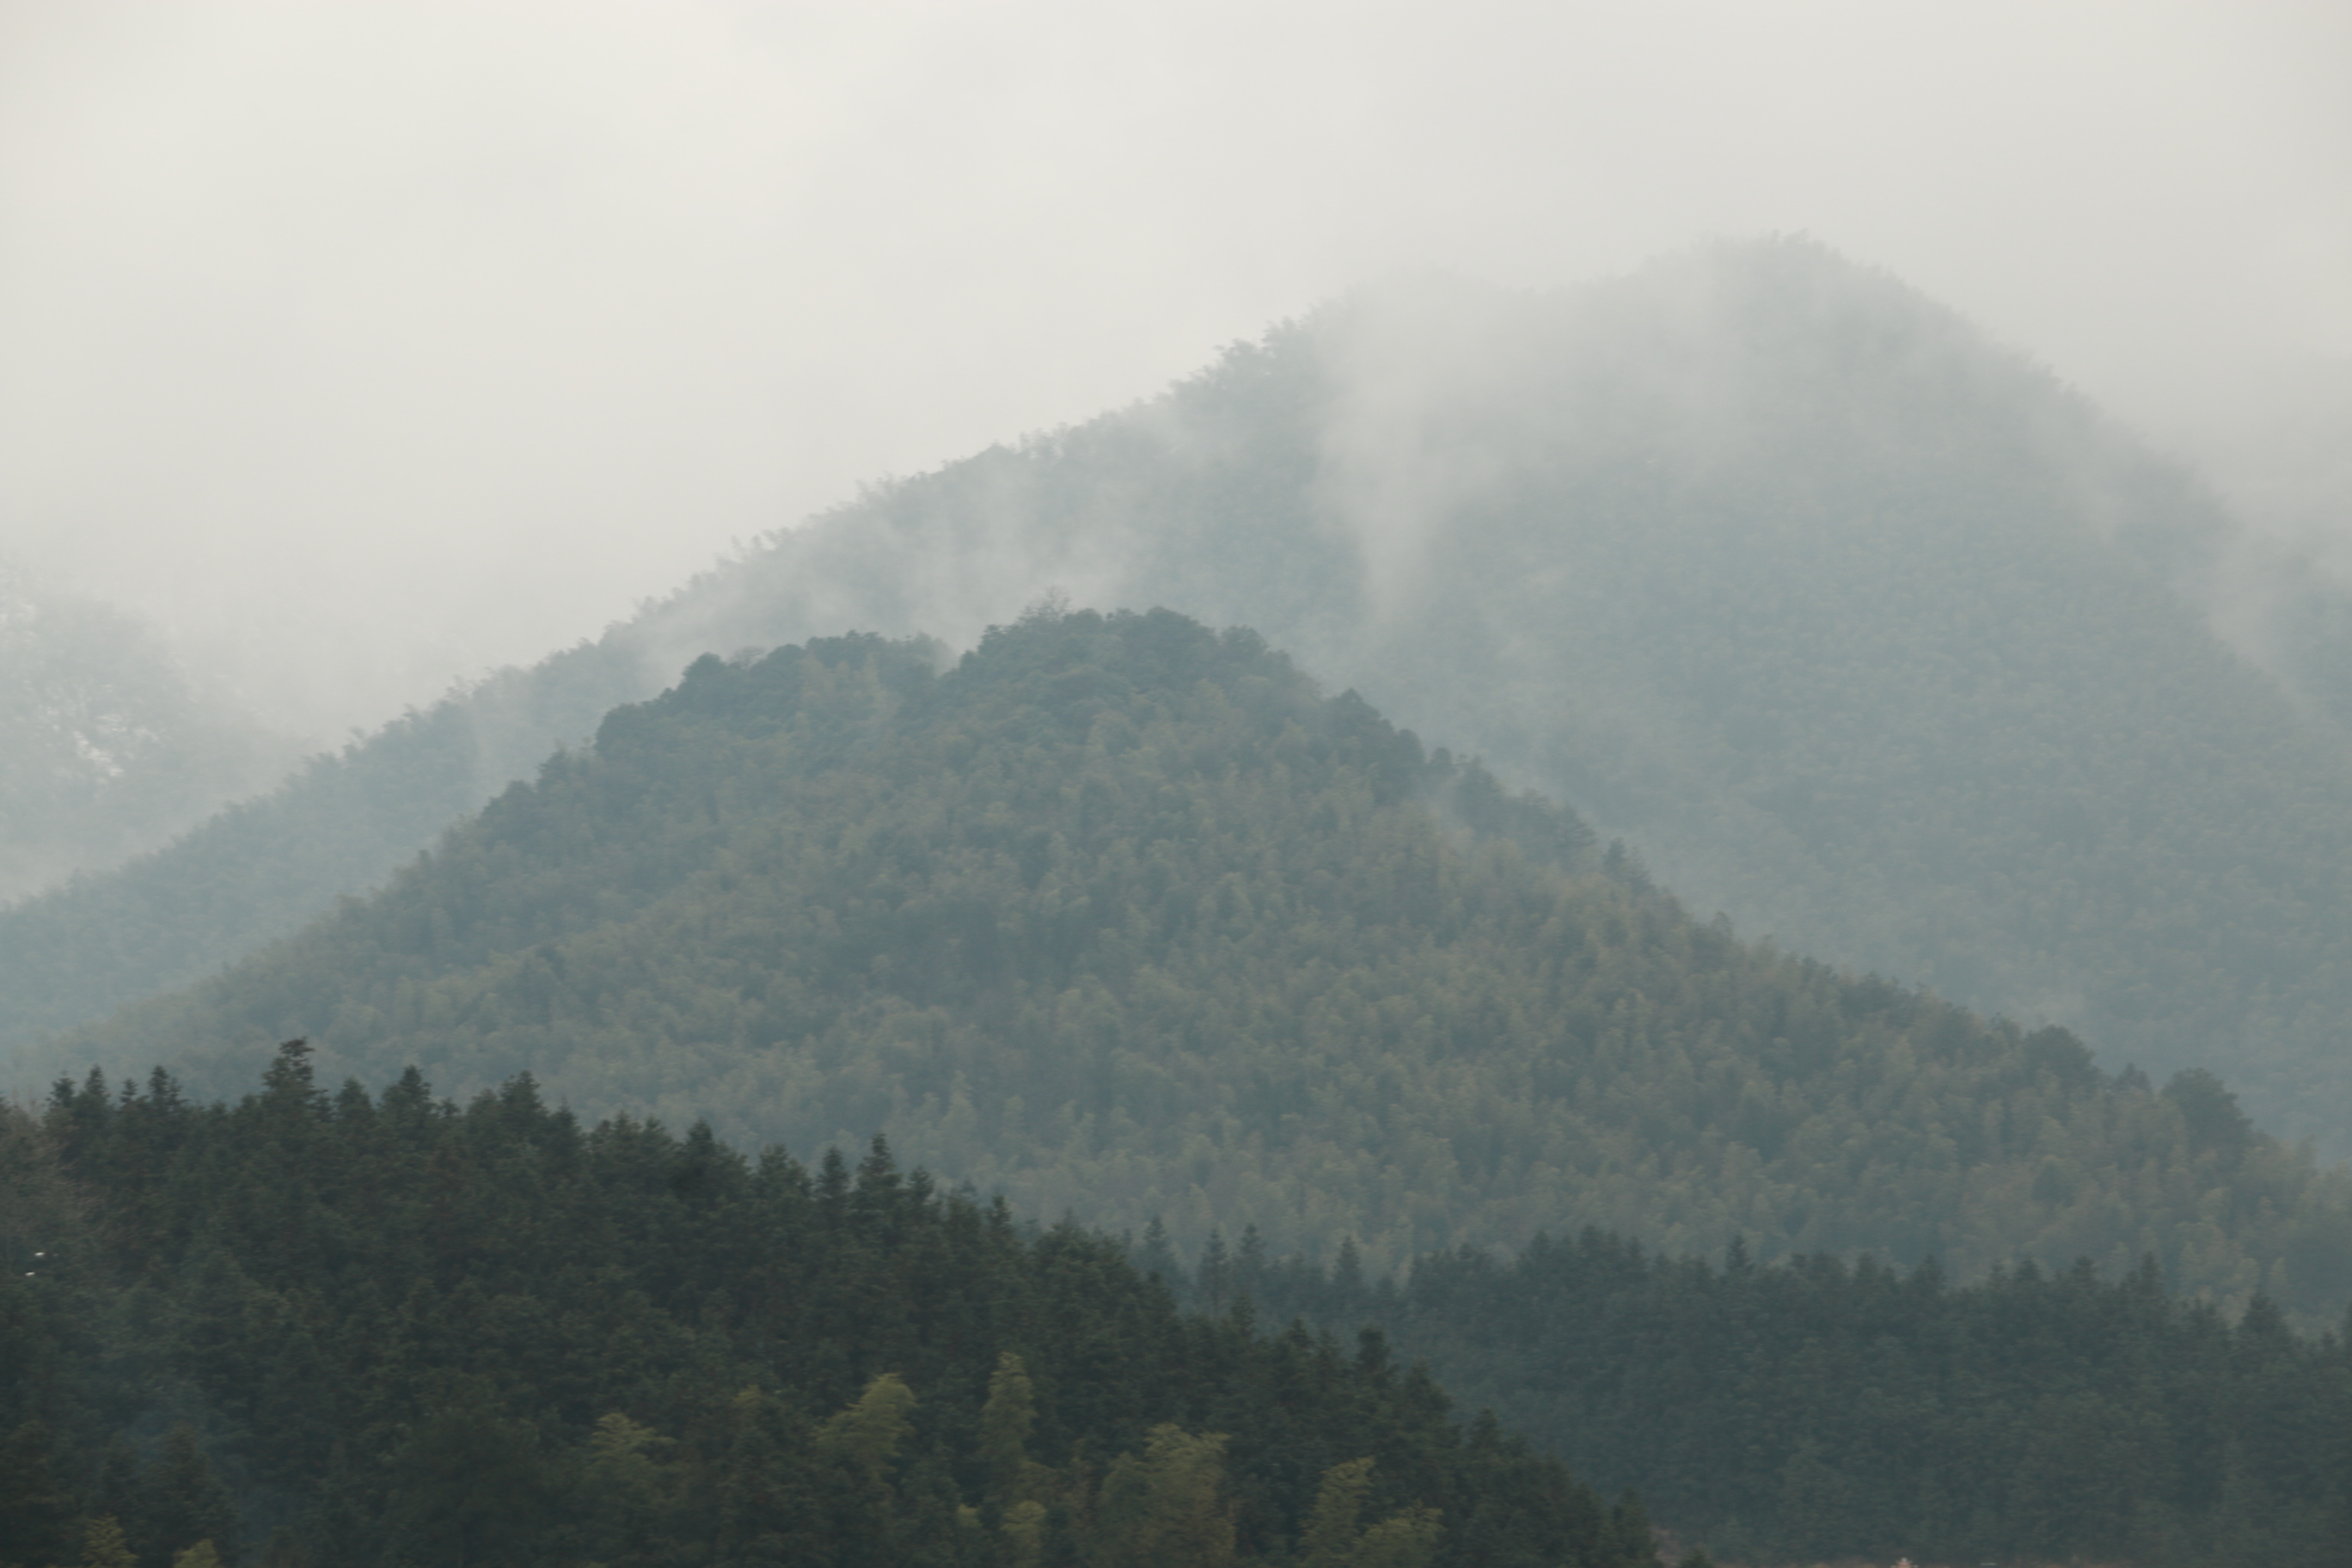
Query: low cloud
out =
(365, 348)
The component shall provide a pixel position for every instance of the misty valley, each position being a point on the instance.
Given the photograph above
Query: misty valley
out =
(1665, 922)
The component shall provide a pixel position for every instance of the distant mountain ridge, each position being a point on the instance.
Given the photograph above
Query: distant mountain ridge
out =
(262, 867)
(1124, 919)
(107, 747)
(1864, 630)
(1861, 628)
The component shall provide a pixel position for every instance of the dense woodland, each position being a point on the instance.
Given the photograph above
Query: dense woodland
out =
(1857, 626)
(1860, 628)
(1816, 1410)
(264, 867)
(1125, 919)
(1849, 622)
(354, 1329)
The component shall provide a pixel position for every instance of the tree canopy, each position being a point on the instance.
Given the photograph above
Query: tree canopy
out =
(1126, 919)
(1857, 626)
(379, 1329)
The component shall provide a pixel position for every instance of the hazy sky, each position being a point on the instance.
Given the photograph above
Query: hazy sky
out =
(365, 346)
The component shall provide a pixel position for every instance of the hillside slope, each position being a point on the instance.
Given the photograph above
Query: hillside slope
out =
(1861, 629)
(1124, 919)
(259, 868)
(1865, 632)
(497, 1336)
(1819, 1412)
(107, 747)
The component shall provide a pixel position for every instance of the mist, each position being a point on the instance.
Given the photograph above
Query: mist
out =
(361, 350)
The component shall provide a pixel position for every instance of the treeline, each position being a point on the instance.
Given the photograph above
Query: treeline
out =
(353, 1328)
(1121, 917)
(349, 1329)
(258, 869)
(1124, 917)
(1817, 1409)
(1867, 630)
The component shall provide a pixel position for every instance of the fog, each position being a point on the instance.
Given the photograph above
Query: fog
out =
(364, 348)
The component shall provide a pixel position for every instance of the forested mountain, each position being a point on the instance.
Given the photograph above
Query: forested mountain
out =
(1865, 632)
(1859, 628)
(351, 1330)
(107, 748)
(1125, 919)
(2296, 613)
(263, 867)
(1814, 1410)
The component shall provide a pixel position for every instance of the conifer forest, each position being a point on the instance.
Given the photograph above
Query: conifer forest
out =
(1114, 1004)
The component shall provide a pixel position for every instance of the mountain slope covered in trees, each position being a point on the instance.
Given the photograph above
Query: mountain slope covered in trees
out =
(356, 1328)
(1862, 629)
(1124, 919)
(260, 869)
(1866, 633)
(1817, 1411)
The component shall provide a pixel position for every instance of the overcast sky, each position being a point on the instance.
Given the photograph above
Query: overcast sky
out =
(366, 346)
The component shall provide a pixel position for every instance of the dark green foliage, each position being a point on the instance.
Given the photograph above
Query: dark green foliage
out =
(2211, 1112)
(406, 1333)
(1813, 1410)
(1867, 632)
(40, 1511)
(180, 1503)
(1107, 875)
(1124, 919)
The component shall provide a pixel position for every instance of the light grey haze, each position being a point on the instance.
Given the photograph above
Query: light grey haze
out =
(364, 347)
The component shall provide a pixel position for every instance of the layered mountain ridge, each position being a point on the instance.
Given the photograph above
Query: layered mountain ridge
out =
(1862, 630)
(1126, 920)
(107, 747)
